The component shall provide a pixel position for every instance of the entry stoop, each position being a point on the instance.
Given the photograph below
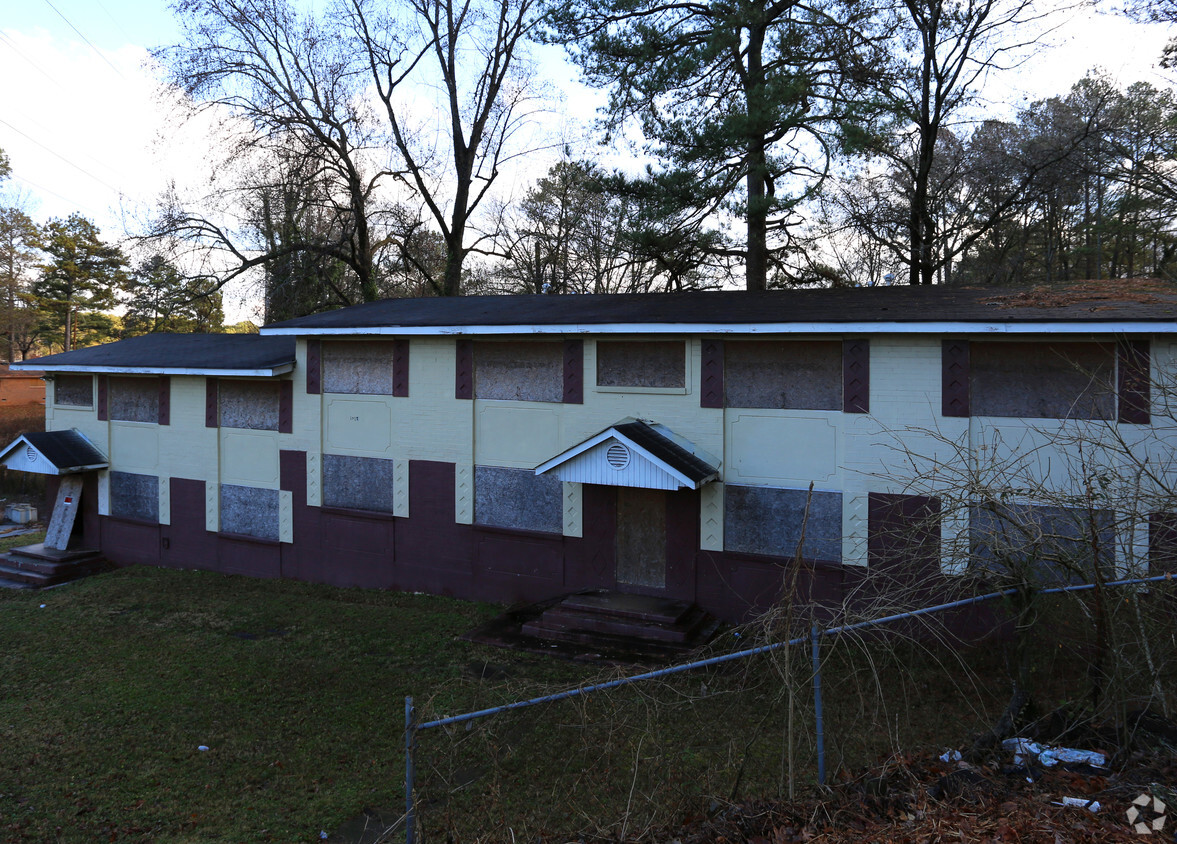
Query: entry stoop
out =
(36, 567)
(647, 627)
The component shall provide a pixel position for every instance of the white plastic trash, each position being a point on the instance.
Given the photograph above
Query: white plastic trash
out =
(1050, 756)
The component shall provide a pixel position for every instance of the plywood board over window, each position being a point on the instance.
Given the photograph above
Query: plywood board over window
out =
(518, 498)
(361, 367)
(134, 399)
(783, 375)
(1043, 380)
(134, 496)
(772, 521)
(249, 404)
(519, 371)
(73, 390)
(658, 364)
(1047, 544)
(249, 511)
(358, 483)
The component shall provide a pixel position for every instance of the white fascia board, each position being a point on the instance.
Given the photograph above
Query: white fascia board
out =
(565, 456)
(1068, 327)
(163, 370)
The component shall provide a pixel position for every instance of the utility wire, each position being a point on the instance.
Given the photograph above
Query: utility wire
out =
(117, 25)
(82, 170)
(12, 44)
(65, 199)
(84, 38)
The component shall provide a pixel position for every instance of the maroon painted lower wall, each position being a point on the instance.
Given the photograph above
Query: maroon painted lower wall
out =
(429, 552)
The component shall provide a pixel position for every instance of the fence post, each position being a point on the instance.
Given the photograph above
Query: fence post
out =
(821, 737)
(410, 796)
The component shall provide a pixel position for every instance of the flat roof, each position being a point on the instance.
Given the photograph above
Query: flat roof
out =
(177, 354)
(1100, 306)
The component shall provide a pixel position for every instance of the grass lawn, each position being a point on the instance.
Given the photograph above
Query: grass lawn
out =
(109, 687)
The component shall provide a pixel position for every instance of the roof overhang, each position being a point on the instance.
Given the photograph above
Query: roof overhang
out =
(634, 453)
(261, 372)
(53, 453)
(857, 328)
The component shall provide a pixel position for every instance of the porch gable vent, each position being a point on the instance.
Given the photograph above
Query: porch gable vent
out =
(618, 456)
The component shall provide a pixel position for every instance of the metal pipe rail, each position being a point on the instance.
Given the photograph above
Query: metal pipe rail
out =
(813, 638)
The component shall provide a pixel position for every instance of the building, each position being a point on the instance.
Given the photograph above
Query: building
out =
(517, 448)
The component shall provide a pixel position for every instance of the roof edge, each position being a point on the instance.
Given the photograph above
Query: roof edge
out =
(1091, 326)
(268, 372)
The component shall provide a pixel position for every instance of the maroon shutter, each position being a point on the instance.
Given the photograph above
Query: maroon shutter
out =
(856, 376)
(285, 407)
(1134, 388)
(314, 367)
(464, 370)
(212, 415)
(165, 400)
(711, 374)
(400, 368)
(954, 383)
(103, 415)
(573, 372)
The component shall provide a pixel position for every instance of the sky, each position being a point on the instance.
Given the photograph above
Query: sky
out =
(87, 129)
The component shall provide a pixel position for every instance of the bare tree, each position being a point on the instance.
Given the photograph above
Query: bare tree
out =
(289, 91)
(948, 48)
(471, 51)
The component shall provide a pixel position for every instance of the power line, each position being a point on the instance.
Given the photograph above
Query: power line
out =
(82, 170)
(84, 38)
(117, 25)
(65, 199)
(12, 44)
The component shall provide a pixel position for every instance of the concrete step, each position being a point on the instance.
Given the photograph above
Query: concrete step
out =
(563, 619)
(620, 604)
(36, 567)
(33, 579)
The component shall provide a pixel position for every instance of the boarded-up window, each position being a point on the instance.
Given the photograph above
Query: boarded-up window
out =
(134, 399)
(767, 520)
(641, 363)
(795, 375)
(1043, 544)
(134, 496)
(357, 483)
(518, 498)
(73, 390)
(358, 367)
(1043, 380)
(248, 404)
(519, 371)
(249, 511)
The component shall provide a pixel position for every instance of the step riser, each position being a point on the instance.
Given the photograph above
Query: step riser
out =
(39, 573)
(669, 614)
(594, 640)
(615, 626)
(16, 561)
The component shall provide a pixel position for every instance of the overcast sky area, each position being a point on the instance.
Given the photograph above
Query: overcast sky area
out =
(85, 127)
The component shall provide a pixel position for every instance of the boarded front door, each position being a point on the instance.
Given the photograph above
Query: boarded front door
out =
(641, 537)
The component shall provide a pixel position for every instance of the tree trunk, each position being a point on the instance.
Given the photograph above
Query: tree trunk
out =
(757, 261)
(757, 211)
